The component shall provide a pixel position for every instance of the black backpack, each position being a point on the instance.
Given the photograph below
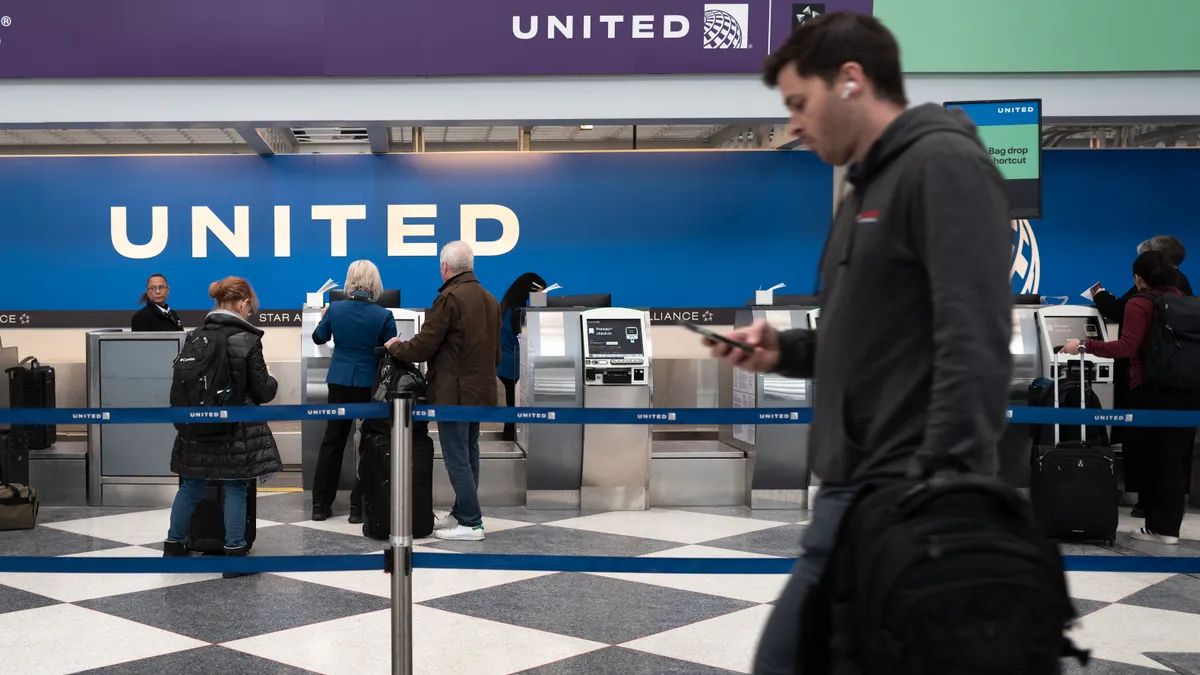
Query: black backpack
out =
(947, 575)
(201, 379)
(1171, 352)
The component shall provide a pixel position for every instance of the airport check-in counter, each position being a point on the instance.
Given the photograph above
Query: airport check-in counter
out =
(314, 366)
(616, 374)
(775, 464)
(551, 377)
(130, 464)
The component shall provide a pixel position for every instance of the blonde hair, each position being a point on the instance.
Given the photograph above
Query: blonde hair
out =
(363, 275)
(232, 290)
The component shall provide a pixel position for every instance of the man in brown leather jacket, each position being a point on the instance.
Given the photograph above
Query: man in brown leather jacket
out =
(460, 342)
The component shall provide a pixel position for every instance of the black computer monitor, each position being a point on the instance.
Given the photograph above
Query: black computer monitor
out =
(389, 298)
(593, 300)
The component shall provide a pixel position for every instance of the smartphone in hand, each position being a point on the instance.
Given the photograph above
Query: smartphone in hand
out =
(716, 337)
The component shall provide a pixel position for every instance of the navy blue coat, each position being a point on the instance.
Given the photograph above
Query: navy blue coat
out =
(357, 327)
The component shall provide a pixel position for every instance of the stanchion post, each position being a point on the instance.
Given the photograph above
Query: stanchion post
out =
(401, 534)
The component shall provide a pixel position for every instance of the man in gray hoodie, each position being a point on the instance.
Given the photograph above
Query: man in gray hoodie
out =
(911, 357)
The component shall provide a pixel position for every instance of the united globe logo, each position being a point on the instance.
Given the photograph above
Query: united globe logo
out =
(1026, 271)
(725, 26)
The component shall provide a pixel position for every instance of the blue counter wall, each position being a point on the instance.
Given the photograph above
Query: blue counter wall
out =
(662, 229)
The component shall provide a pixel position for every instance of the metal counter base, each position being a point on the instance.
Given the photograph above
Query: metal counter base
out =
(696, 473)
(501, 476)
(136, 491)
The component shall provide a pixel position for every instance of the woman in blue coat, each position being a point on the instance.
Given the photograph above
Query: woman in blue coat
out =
(359, 326)
(511, 307)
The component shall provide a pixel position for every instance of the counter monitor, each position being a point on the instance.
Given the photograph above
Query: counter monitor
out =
(614, 338)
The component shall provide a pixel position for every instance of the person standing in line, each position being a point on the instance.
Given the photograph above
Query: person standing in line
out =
(1164, 452)
(460, 342)
(360, 326)
(156, 315)
(514, 301)
(248, 450)
(912, 351)
(1112, 309)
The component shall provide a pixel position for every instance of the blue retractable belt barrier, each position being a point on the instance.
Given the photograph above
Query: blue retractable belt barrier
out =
(688, 416)
(537, 563)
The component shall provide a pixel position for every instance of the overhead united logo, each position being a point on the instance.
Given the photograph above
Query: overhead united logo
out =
(1026, 271)
(726, 26)
(802, 12)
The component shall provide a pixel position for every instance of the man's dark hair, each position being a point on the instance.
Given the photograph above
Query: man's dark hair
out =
(1156, 270)
(823, 45)
(1171, 248)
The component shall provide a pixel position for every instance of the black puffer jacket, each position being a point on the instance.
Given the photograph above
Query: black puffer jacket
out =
(249, 451)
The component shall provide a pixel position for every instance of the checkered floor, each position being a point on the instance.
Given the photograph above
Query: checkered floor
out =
(484, 623)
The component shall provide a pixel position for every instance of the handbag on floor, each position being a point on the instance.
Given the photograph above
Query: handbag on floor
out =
(18, 507)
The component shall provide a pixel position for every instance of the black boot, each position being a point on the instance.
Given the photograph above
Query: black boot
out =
(318, 514)
(172, 549)
(241, 552)
(355, 515)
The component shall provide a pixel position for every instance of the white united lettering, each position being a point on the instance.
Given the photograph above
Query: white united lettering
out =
(206, 221)
(640, 26)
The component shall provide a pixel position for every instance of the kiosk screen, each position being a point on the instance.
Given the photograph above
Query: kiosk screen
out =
(1060, 329)
(614, 337)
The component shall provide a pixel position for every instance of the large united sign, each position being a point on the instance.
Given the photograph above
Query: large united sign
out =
(297, 38)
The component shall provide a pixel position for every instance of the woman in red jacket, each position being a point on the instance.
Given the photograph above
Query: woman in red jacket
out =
(1164, 450)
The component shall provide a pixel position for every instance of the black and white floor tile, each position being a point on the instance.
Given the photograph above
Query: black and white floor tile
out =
(486, 622)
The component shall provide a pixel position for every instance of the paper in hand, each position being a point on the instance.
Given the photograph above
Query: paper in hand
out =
(1090, 294)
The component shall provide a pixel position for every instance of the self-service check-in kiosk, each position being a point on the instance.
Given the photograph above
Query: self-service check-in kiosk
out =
(1058, 324)
(314, 366)
(776, 465)
(551, 376)
(616, 374)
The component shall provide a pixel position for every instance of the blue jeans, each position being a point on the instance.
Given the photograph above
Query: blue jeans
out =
(234, 510)
(777, 649)
(460, 451)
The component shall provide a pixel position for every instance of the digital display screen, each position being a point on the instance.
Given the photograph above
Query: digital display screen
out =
(1059, 330)
(614, 337)
(1012, 133)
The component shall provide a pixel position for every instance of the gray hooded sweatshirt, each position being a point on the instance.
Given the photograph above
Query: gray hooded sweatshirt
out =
(911, 354)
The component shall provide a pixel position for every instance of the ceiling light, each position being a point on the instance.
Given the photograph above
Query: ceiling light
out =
(586, 127)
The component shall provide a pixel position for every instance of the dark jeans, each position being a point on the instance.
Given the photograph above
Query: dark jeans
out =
(778, 648)
(333, 449)
(460, 451)
(191, 492)
(1164, 454)
(510, 400)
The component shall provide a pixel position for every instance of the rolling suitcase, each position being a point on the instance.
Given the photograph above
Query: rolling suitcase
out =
(1073, 484)
(14, 457)
(31, 385)
(375, 472)
(206, 530)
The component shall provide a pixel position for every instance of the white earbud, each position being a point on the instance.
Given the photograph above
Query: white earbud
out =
(850, 87)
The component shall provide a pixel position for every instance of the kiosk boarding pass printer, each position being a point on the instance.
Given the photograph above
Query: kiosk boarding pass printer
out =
(616, 374)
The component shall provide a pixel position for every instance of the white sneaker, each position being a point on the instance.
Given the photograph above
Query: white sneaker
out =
(460, 533)
(444, 522)
(1142, 534)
